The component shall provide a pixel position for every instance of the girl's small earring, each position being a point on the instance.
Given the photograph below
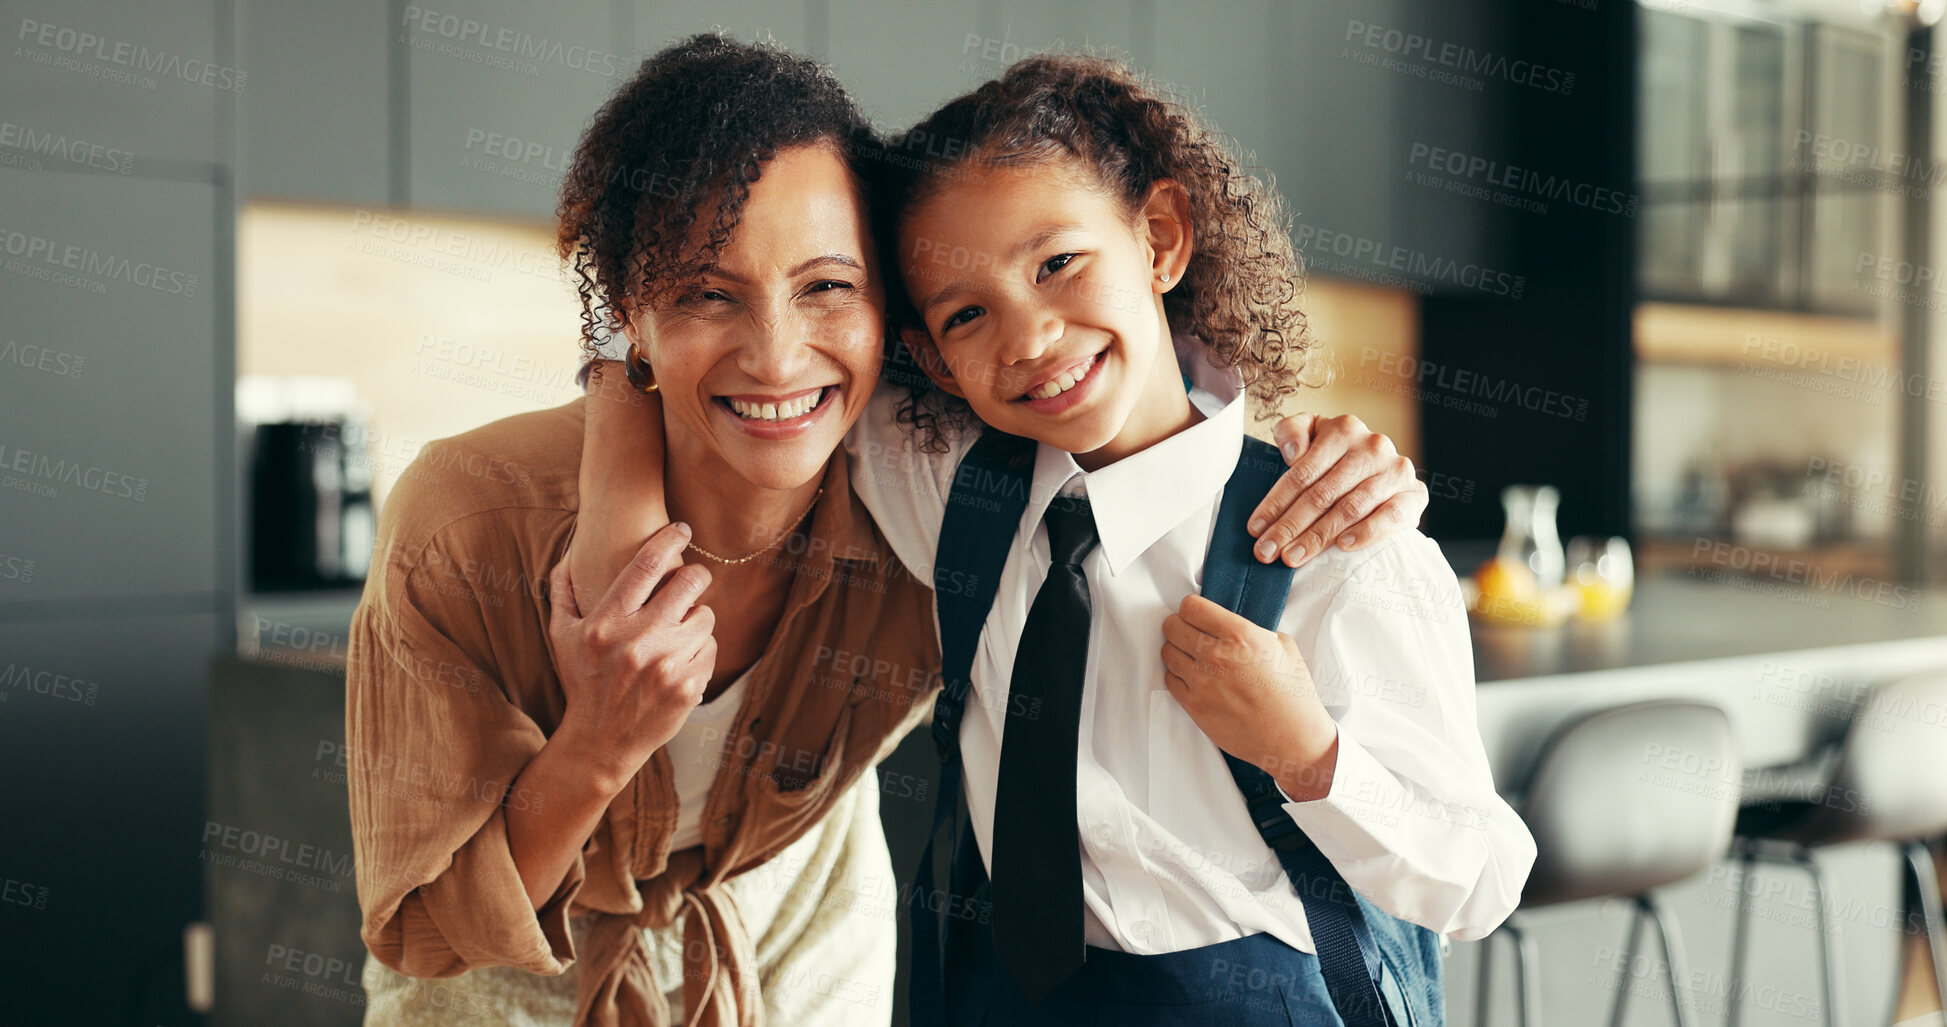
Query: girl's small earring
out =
(1165, 276)
(638, 370)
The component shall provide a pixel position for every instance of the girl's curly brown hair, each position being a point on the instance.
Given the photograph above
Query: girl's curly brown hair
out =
(691, 131)
(1240, 291)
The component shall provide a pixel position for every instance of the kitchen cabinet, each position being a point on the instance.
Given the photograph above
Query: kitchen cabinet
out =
(1755, 202)
(1104, 26)
(494, 94)
(1852, 105)
(1672, 247)
(1743, 203)
(1676, 158)
(116, 564)
(498, 92)
(1348, 138)
(114, 374)
(117, 518)
(314, 122)
(278, 767)
(901, 62)
(1673, 94)
(658, 23)
(1719, 110)
(1223, 61)
(137, 87)
(102, 737)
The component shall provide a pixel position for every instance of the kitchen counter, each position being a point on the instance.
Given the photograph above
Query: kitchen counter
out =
(1789, 664)
(1672, 619)
(1676, 618)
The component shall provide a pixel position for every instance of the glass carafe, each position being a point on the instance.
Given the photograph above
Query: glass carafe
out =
(1529, 538)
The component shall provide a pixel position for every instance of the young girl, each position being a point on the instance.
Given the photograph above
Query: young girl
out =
(1071, 251)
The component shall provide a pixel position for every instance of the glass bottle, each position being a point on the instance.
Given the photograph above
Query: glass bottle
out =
(1530, 538)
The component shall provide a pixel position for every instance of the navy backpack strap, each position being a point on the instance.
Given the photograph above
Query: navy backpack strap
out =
(1348, 957)
(983, 513)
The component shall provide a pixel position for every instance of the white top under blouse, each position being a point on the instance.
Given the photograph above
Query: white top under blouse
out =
(1170, 858)
(694, 756)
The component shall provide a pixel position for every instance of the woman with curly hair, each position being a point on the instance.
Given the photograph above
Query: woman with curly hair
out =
(649, 800)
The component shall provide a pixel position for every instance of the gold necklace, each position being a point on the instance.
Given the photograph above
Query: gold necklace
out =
(774, 544)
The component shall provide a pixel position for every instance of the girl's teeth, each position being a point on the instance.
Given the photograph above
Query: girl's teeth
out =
(1060, 384)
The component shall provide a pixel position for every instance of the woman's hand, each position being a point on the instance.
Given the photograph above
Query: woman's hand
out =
(621, 482)
(1346, 484)
(634, 668)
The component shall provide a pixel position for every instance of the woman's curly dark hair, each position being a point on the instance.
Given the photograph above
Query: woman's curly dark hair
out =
(692, 130)
(1240, 291)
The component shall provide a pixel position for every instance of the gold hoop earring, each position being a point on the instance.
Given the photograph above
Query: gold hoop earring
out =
(638, 370)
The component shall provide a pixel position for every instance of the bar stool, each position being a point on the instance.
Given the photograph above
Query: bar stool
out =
(1886, 781)
(1622, 801)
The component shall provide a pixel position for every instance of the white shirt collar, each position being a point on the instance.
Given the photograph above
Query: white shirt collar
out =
(1138, 499)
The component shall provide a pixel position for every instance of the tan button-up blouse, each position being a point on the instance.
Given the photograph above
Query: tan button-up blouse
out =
(451, 690)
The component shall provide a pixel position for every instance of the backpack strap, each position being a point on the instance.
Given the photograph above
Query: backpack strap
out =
(983, 514)
(1348, 957)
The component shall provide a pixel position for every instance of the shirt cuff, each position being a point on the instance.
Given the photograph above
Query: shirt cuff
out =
(1363, 800)
(481, 907)
(553, 914)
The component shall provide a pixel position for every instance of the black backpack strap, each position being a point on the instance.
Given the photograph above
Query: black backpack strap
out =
(1348, 957)
(983, 513)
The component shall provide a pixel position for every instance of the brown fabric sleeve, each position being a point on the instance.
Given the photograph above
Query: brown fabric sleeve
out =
(435, 744)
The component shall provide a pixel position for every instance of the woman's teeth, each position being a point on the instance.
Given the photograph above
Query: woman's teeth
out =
(1061, 384)
(776, 411)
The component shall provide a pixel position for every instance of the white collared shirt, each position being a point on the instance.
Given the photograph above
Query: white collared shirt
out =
(1170, 858)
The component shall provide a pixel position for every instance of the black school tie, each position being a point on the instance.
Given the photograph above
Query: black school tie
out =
(1037, 858)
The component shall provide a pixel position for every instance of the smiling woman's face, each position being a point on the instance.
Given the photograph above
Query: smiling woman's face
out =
(765, 364)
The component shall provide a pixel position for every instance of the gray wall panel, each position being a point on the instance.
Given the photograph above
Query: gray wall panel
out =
(314, 118)
(901, 62)
(499, 92)
(109, 479)
(142, 78)
(659, 23)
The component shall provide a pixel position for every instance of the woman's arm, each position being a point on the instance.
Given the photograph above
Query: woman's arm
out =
(631, 671)
(621, 504)
(1347, 486)
(621, 482)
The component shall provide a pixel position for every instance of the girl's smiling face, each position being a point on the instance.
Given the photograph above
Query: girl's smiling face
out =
(1041, 296)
